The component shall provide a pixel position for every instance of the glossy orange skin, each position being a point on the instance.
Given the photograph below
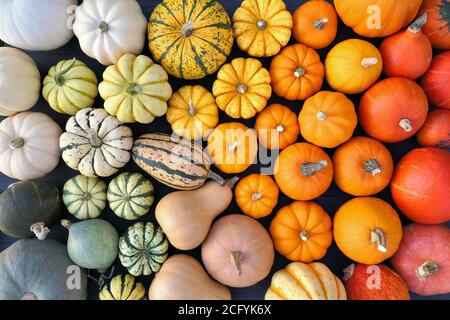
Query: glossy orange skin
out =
(387, 103)
(436, 130)
(389, 287)
(437, 28)
(436, 80)
(299, 217)
(283, 67)
(292, 181)
(421, 185)
(269, 120)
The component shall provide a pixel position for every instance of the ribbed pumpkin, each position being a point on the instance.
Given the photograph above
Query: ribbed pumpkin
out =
(437, 27)
(123, 287)
(233, 147)
(277, 127)
(327, 119)
(303, 171)
(256, 195)
(367, 230)
(143, 248)
(436, 130)
(242, 88)
(84, 197)
(130, 195)
(362, 166)
(352, 66)
(296, 72)
(262, 27)
(315, 24)
(301, 231)
(435, 81)
(190, 38)
(70, 86)
(135, 89)
(192, 112)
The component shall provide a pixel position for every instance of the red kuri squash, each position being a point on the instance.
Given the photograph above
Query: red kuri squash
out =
(436, 130)
(438, 26)
(436, 81)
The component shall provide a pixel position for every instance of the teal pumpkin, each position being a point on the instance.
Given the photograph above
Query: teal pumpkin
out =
(143, 248)
(130, 195)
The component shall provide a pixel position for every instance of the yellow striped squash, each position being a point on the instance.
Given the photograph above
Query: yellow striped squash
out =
(123, 287)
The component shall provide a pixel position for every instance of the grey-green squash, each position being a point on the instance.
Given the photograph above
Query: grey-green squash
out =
(123, 287)
(40, 270)
(27, 208)
(92, 244)
(130, 195)
(85, 197)
(143, 248)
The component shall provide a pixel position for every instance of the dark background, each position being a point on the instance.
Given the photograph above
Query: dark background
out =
(330, 201)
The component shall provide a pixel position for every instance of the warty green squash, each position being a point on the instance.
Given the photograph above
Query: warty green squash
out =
(123, 287)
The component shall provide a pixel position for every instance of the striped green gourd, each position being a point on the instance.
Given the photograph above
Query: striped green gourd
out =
(143, 248)
(130, 195)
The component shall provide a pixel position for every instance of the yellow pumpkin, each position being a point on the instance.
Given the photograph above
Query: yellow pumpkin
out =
(192, 112)
(135, 89)
(353, 65)
(242, 88)
(262, 27)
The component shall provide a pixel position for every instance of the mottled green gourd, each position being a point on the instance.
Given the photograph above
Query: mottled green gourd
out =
(123, 287)
(130, 195)
(84, 197)
(143, 248)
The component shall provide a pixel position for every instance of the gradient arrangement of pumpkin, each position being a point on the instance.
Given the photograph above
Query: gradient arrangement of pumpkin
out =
(367, 230)
(301, 231)
(192, 112)
(296, 72)
(437, 27)
(256, 195)
(233, 147)
(353, 65)
(277, 127)
(327, 119)
(315, 24)
(362, 166)
(242, 88)
(262, 27)
(303, 171)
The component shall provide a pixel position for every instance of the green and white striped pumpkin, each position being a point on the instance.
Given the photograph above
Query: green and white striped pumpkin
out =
(130, 195)
(85, 197)
(143, 248)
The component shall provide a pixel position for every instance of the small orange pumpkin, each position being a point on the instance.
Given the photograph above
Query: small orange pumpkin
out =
(327, 119)
(362, 166)
(277, 127)
(296, 72)
(303, 171)
(233, 147)
(256, 195)
(301, 231)
(315, 24)
(436, 130)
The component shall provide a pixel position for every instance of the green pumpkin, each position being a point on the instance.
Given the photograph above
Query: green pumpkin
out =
(130, 195)
(28, 207)
(85, 197)
(143, 248)
(92, 244)
(123, 287)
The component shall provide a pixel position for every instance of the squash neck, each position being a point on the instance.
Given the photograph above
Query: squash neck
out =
(236, 258)
(59, 76)
(372, 166)
(379, 237)
(17, 143)
(428, 268)
(308, 169)
(320, 24)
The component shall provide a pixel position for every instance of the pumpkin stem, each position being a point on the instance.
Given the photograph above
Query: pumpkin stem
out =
(304, 235)
(236, 261)
(320, 24)
(428, 268)
(348, 272)
(372, 166)
(232, 181)
(40, 230)
(257, 196)
(59, 76)
(29, 296)
(214, 176)
(134, 88)
(241, 88)
(299, 72)
(405, 124)
(94, 140)
(192, 112)
(16, 143)
(261, 24)
(309, 168)
(101, 280)
(280, 128)
(187, 28)
(66, 224)
(417, 25)
(368, 62)
(321, 116)
(377, 236)
(103, 27)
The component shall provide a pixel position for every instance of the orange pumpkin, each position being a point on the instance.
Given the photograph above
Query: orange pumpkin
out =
(256, 195)
(277, 127)
(362, 166)
(367, 230)
(233, 147)
(436, 130)
(296, 72)
(327, 119)
(315, 24)
(437, 27)
(303, 171)
(301, 231)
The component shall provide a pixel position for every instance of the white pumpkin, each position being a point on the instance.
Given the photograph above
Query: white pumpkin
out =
(20, 81)
(108, 29)
(96, 143)
(29, 145)
(36, 24)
